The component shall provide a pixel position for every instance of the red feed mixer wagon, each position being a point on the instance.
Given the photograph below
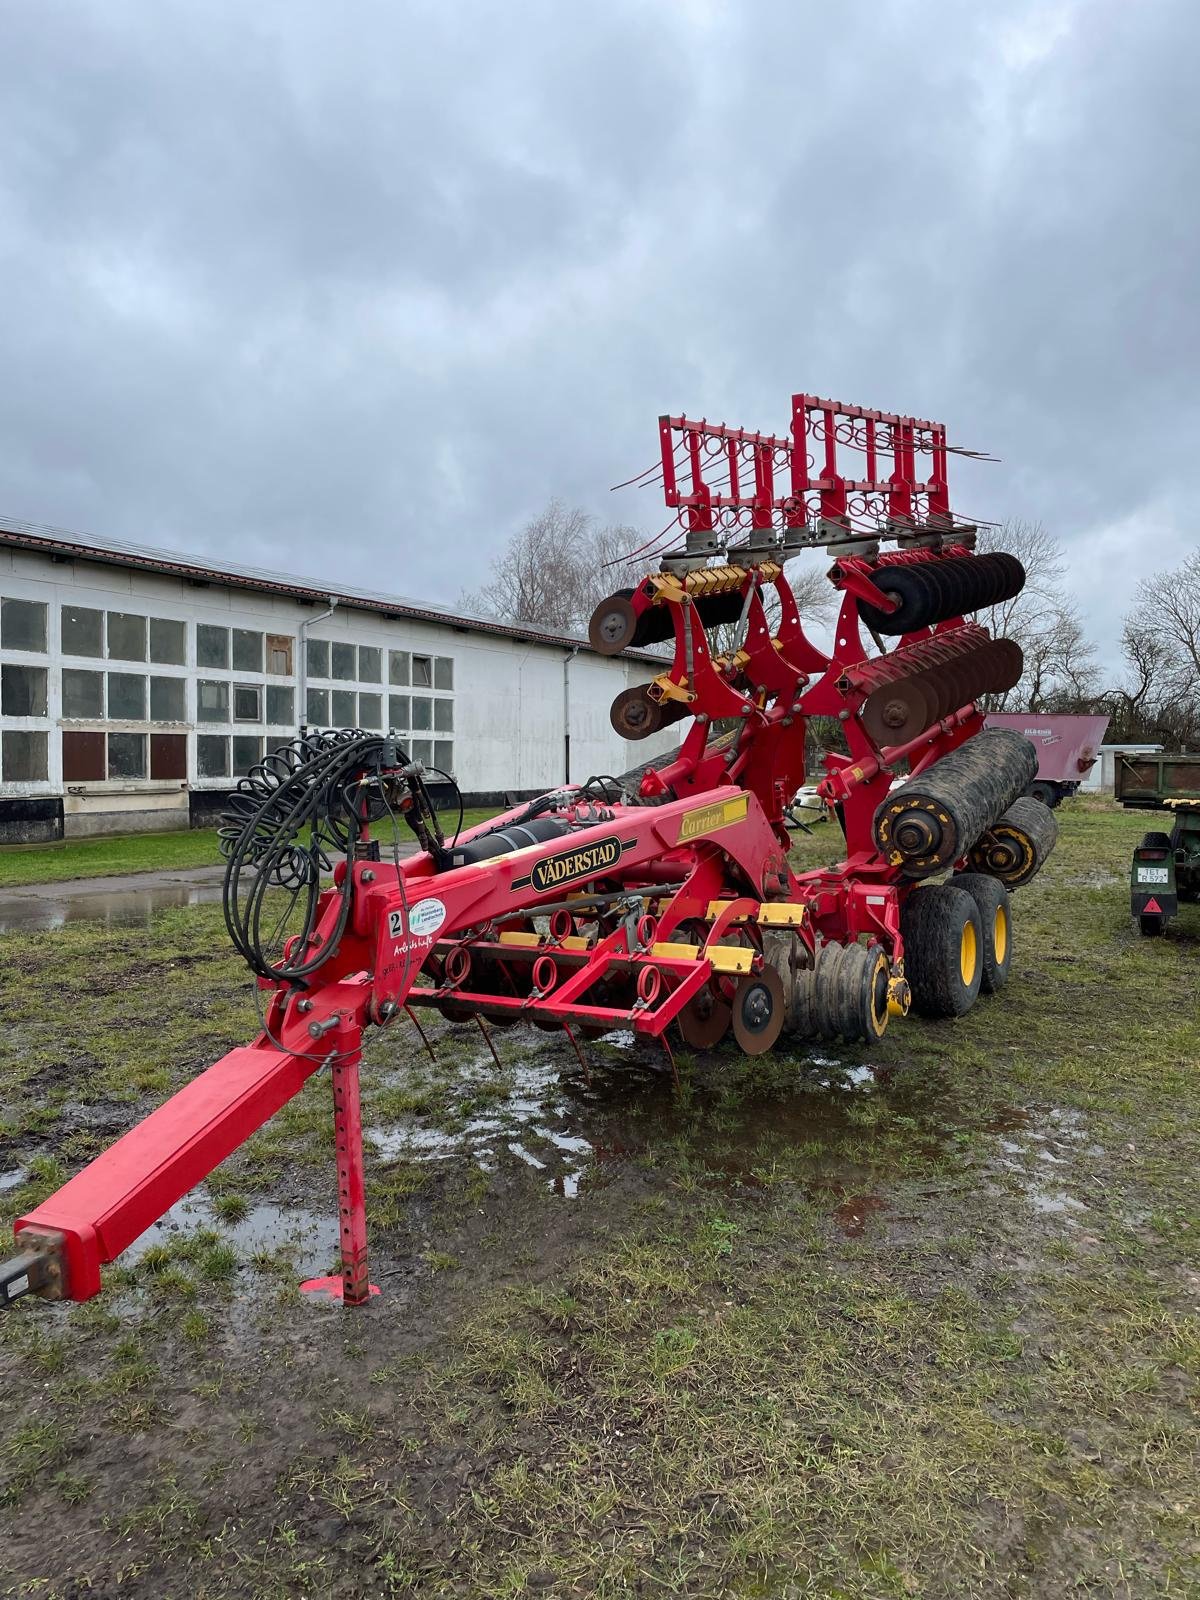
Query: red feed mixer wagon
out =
(663, 902)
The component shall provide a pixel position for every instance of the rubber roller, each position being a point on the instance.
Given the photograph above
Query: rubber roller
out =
(616, 626)
(1015, 848)
(935, 590)
(933, 819)
(634, 715)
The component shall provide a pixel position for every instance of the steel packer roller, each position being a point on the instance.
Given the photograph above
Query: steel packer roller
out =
(934, 818)
(1017, 845)
(664, 902)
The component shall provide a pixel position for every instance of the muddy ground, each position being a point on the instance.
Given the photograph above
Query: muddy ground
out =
(914, 1321)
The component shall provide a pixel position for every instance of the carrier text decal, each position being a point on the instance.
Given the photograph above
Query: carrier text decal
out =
(707, 819)
(569, 865)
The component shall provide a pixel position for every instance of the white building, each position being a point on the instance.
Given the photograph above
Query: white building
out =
(137, 685)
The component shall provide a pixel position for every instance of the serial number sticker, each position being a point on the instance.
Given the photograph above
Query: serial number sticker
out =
(1153, 875)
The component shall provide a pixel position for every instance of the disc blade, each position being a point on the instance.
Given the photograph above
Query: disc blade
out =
(704, 1021)
(758, 1011)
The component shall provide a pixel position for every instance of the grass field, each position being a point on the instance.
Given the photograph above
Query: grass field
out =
(146, 852)
(913, 1321)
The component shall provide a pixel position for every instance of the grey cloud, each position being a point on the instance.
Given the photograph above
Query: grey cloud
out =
(359, 288)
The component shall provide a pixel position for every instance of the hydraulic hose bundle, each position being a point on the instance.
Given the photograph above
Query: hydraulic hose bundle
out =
(306, 800)
(928, 823)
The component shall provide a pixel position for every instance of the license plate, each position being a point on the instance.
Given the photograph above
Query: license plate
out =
(1153, 875)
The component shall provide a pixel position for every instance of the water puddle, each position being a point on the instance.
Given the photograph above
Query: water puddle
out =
(13, 1179)
(310, 1238)
(116, 908)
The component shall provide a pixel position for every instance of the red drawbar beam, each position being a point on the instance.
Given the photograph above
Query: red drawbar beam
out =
(116, 1197)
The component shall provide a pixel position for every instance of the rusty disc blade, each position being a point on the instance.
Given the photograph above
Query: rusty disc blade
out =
(634, 715)
(612, 625)
(704, 1021)
(898, 712)
(758, 1011)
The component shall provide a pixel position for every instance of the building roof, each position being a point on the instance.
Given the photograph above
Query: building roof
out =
(63, 544)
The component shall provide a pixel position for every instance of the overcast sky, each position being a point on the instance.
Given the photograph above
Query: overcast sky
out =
(354, 289)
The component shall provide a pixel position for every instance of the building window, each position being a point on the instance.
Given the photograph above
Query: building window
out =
(126, 636)
(341, 661)
(247, 702)
(422, 712)
(281, 706)
(82, 631)
(422, 672)
(398, 711)
(370, 663)
(168, 755)
(212, 701)
(23, 757)
(82, 756)
(279, 655)
(443, 672)
(317, 656)
(126, 697)
(247, 651)
(443, 755)
(398, 667)
(22, 690)
(443, 716)
(23, 625)
(370, 711)
(247, 752)
(82, 694)
(422, 750)
(212, 645)
(168, 645)
(127, 755)
(168, 703)
(212, 755)
(342, 703)
(317, 709)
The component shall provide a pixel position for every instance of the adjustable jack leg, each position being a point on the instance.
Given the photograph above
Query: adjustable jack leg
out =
(353, 1287)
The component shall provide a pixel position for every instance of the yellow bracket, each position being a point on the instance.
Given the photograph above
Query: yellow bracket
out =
(575, 941)
(670, 690)
(780, 914)
(666, 951)
(729, 958)
(527, 941)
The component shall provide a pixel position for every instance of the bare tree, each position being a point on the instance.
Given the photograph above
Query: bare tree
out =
(1060, 667)
(1160, 640)
(552, 572)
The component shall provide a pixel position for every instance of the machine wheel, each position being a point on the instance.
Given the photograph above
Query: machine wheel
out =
(943, 949)
(1047, 793)
(758, 1011)
(995, 914)
(1151, 926)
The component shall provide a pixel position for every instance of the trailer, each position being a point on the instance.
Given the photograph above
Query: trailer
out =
(1166, 865)
(662, 901)
(1068, 747)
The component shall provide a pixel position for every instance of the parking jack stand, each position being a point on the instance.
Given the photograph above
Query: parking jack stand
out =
(353, 1287)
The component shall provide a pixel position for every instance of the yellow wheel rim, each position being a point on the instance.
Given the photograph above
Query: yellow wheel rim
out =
(1000, 935)
(968, 954)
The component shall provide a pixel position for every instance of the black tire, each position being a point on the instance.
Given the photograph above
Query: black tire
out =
(1047, 793)
(995, 914)
(1156, 841)
(1151, 927)
(943, 944)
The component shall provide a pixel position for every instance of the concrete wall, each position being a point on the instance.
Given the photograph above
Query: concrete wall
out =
(506, 704)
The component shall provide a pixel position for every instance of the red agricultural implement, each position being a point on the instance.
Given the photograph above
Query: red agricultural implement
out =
(663, 902)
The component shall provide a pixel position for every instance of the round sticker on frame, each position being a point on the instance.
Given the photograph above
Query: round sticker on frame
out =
(426, 917)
